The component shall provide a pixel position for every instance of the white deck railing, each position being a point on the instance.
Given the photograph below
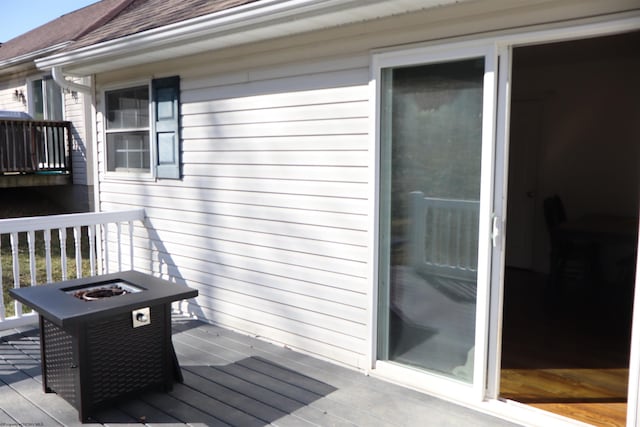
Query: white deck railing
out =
(88, 230)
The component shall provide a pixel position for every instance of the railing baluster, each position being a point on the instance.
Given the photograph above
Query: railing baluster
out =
(31, 242)
(47, 253)
(62, 232)
(16, 269)
(77, 239)
(91, 232)
(131, 244)
(105, 228)
(119, 244)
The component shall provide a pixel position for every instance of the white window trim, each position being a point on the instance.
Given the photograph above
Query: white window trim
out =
(127, 175)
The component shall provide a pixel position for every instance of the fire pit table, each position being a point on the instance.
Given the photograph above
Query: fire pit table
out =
(105, 337)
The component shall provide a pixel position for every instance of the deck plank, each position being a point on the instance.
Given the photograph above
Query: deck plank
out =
(230, 379)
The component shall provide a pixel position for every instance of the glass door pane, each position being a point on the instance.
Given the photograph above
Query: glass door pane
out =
(431, 147)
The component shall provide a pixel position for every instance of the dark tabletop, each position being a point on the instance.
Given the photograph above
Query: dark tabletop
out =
(52, 302)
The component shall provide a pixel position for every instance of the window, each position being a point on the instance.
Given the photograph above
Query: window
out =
(127, 130)
(142, 125)
(46, 99)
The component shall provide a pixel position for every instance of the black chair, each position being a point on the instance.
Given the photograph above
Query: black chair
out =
(572, 258)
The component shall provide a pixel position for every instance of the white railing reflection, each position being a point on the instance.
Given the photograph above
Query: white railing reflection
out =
(47, 246)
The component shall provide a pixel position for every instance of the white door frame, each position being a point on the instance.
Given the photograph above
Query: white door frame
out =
(437, 54)
(493, 199)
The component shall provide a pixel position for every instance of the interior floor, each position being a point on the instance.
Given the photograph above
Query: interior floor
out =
(567, 350)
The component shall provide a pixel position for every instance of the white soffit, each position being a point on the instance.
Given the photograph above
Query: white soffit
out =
(261, 20)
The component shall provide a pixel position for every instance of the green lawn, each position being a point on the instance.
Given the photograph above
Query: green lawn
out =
(41, 273)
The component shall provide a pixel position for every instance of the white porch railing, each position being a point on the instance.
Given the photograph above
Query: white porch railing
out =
(31, 244)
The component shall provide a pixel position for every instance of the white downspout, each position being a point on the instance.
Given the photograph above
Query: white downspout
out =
(58, 77)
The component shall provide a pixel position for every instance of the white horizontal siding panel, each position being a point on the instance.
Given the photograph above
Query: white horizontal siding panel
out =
(326, 95)
(225, 264)
(299, 143)
(191, 234)
(283, 172)
(300, 216)
(322, 65)
(237, 320)
(203, 247)
(341, 78)
(291, 158)
(306, 330)
(311, 127)
(210, 249)
(290, 200)
(334, 186)
(298, 308)
(275, 72)
(184, 219)
(345, 303)
(283, 114)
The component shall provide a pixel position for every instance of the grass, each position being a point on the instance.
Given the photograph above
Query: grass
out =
(40, 260)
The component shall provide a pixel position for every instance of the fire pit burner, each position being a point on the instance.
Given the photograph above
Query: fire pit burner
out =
(94, 293)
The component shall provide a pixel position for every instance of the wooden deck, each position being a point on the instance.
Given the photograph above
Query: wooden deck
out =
(230, 379)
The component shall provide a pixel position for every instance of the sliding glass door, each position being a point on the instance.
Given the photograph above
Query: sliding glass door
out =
(436, 127)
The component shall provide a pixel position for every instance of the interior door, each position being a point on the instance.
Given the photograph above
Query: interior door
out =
(436, 141)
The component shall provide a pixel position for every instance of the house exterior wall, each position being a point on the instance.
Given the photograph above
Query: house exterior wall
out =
(271, 221)
(8, 100)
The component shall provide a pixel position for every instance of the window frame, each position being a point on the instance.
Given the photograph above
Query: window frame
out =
(130, 174)
(31, 97)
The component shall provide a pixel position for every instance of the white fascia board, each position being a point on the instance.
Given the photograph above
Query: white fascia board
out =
(263, 19)
(28, 57)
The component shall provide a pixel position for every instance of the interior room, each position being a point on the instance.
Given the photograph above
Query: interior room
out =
(572, 218)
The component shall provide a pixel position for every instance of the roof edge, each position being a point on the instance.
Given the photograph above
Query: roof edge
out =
(16, 60)
(236, 19)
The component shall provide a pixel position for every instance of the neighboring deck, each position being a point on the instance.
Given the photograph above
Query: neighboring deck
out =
(231, 379)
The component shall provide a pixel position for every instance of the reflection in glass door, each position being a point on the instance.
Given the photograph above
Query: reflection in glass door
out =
(431, 146)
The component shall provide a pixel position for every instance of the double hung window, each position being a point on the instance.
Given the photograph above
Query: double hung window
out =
(142, 129)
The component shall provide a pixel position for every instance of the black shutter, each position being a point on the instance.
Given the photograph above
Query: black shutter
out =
(166, 106)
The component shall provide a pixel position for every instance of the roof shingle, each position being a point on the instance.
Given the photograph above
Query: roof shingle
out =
(68, 27)
(141, 15)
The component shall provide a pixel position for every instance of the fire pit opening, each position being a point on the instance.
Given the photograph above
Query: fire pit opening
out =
(101, 291)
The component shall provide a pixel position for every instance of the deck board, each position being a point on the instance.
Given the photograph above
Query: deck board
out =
(230, 380)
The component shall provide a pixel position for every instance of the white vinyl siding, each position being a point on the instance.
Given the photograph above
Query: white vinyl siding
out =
(270, 220)
(75, 111)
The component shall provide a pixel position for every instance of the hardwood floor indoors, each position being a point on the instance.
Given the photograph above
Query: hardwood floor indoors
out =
(567, 351)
